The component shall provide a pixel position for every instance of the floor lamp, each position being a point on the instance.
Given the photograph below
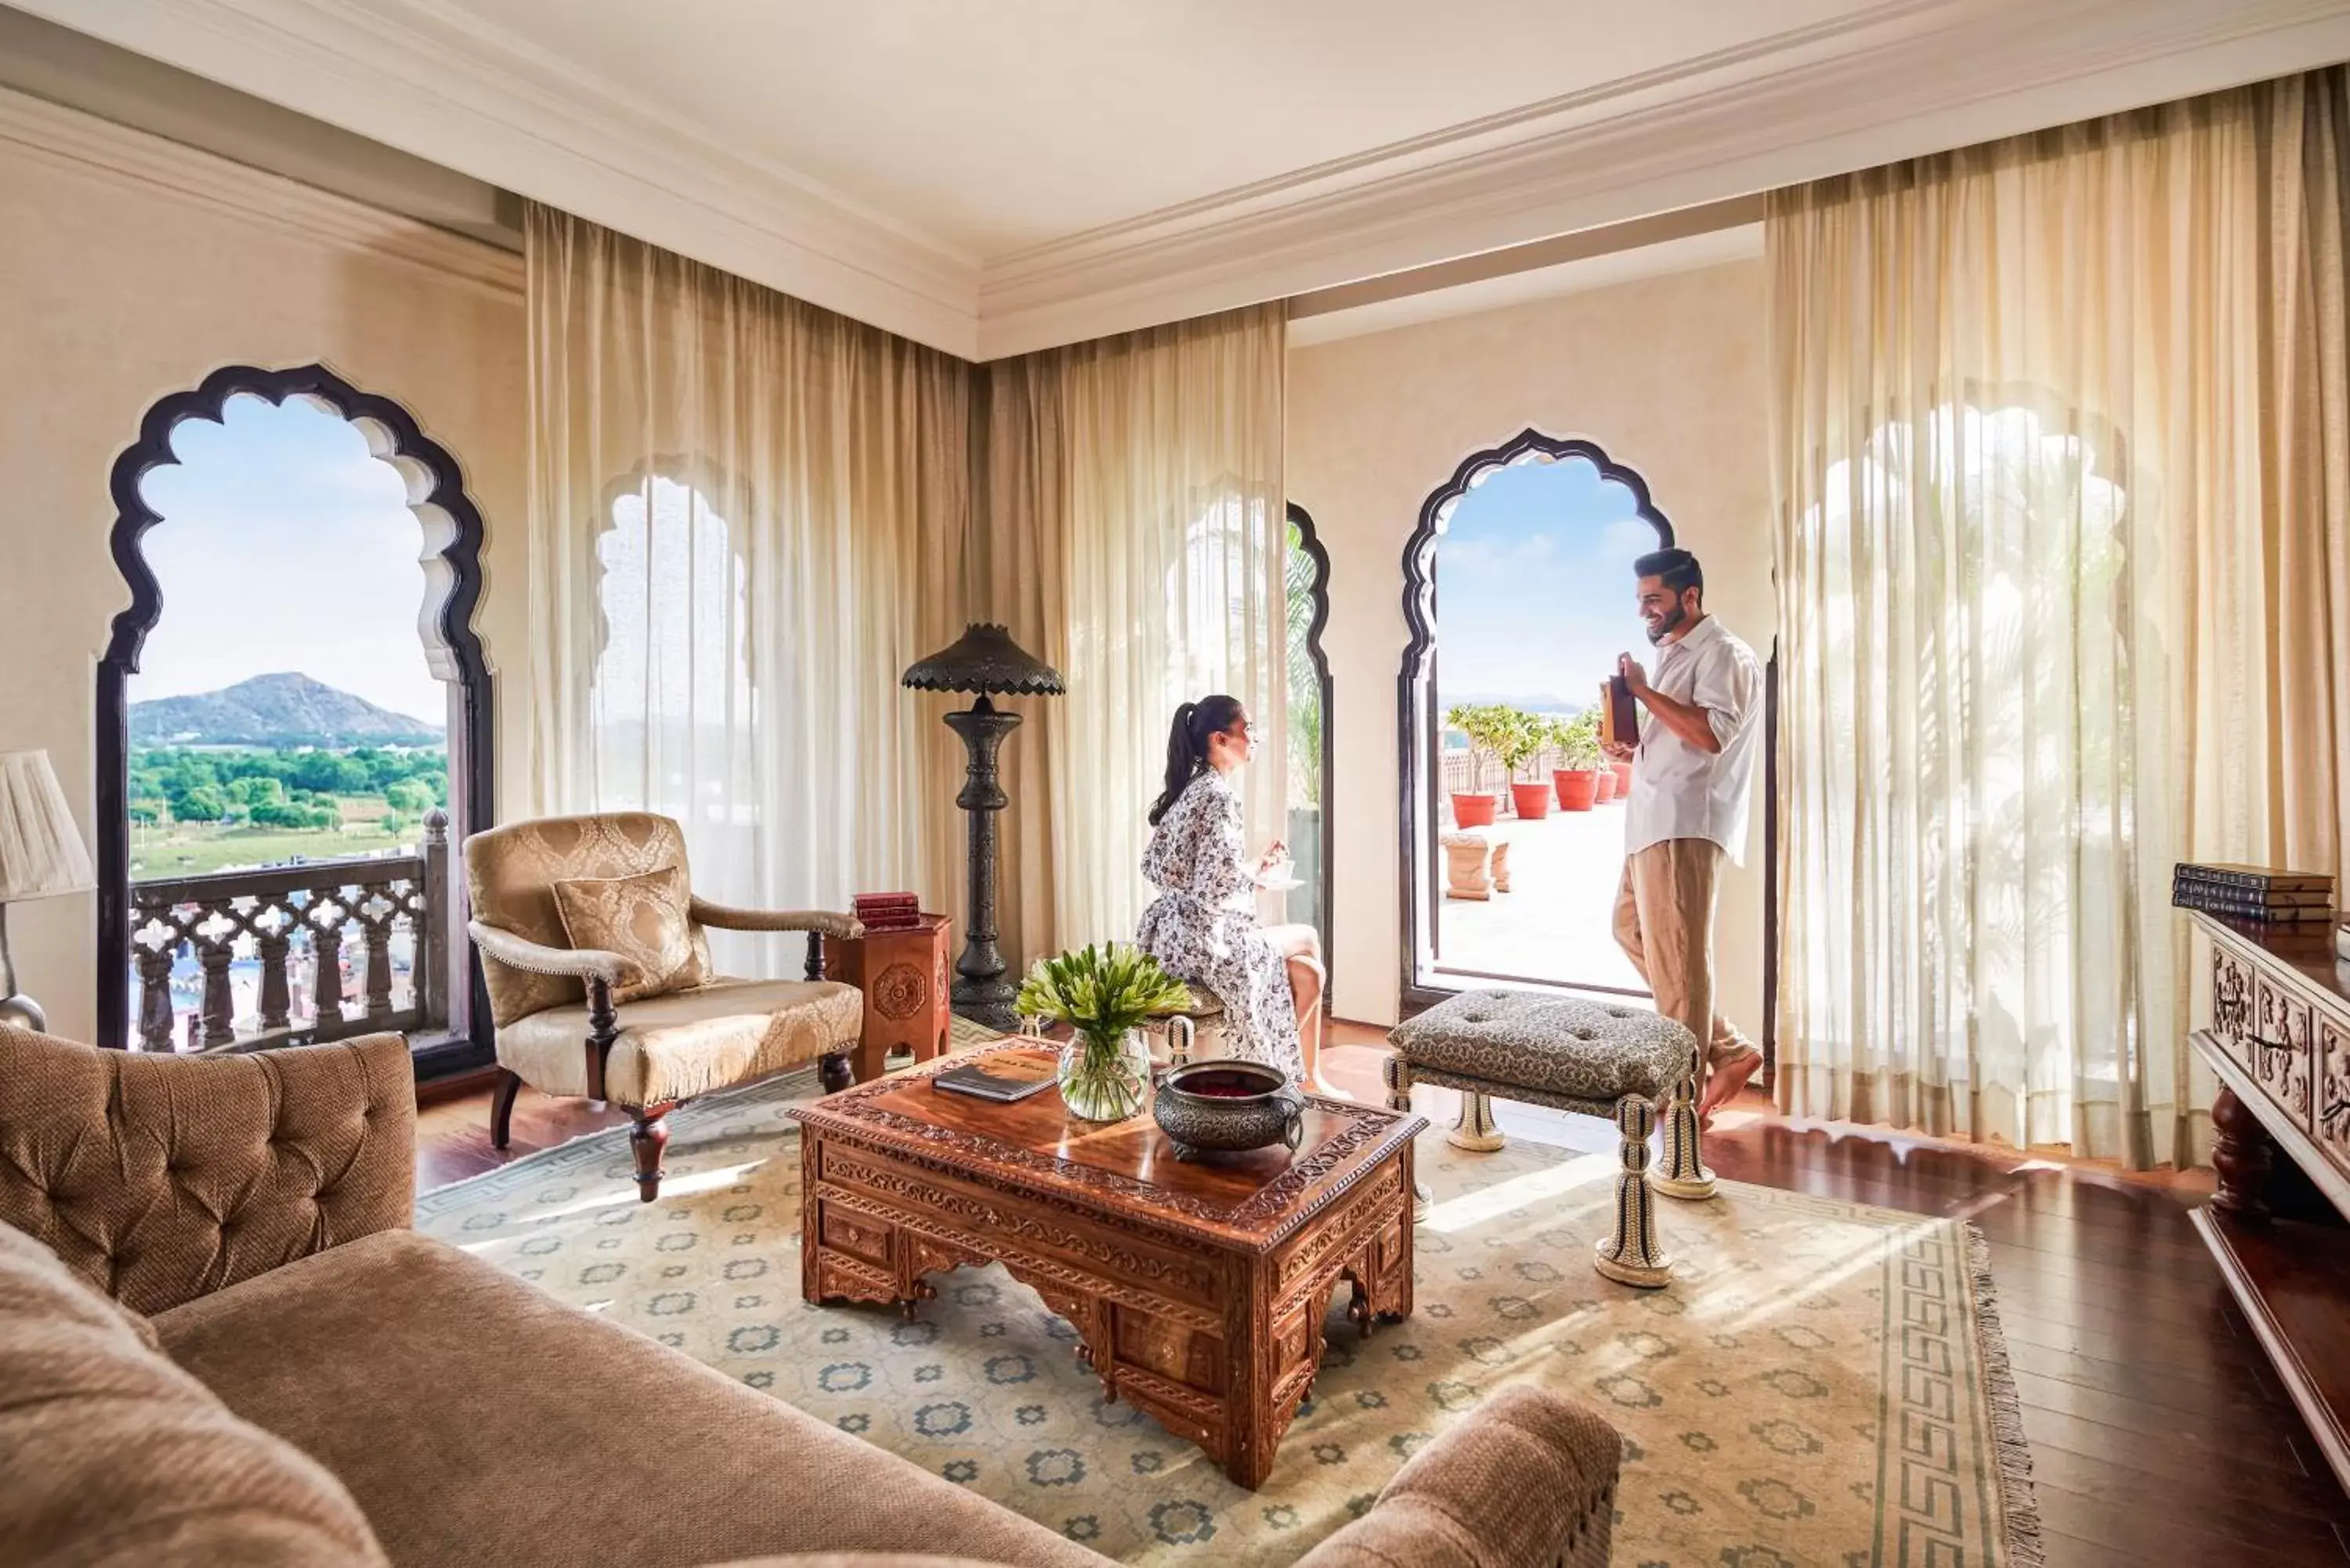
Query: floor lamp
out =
(984, 661)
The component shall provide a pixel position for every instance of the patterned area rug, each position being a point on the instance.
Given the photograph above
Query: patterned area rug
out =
(1823, 1383)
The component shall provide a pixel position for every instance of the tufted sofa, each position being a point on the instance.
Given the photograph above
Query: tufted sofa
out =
(220, 1343)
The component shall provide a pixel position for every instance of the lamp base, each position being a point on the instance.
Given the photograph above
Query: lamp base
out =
(21, 1012)
(987, 1002)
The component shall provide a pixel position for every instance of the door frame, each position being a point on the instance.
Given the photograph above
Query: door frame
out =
(1417, 735)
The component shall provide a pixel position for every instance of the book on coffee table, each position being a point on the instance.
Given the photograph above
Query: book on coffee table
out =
(1006, 1077)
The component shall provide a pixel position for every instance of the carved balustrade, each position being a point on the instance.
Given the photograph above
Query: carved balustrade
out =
(298, 921)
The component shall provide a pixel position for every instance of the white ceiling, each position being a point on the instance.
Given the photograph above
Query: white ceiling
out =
(995, 177)
(993, 127)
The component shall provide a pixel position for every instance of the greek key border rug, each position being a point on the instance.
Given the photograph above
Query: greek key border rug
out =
(1825, 1382)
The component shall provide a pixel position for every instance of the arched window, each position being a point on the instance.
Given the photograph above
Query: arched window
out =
(284, 759)
(671, 700)
(1965, 825)
(1306, 581)
(1532, 542)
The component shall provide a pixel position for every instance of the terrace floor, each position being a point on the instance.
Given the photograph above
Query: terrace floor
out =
(1553, 925)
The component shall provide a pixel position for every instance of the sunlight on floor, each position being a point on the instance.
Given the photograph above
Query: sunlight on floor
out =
(1474, 1208)
(671, 1187)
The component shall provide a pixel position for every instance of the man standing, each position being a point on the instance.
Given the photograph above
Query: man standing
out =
(1688, 808)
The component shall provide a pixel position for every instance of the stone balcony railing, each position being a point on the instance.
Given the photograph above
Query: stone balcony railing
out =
(297, 923)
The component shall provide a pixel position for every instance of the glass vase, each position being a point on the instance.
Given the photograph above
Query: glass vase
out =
(1105, 1079)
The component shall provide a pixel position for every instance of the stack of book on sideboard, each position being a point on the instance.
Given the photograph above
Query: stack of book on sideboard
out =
(887, 911)
(2252, 892)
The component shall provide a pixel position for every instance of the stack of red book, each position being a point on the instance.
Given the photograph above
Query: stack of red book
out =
(887, 911)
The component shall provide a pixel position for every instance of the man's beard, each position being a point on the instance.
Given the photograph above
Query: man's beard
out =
(1670, 624)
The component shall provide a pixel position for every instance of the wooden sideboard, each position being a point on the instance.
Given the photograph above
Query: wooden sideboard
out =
(2279, 1039)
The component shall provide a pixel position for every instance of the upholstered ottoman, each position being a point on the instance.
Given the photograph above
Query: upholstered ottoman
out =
(1621, 1063)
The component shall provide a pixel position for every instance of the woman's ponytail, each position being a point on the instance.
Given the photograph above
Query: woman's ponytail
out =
(1187, 745)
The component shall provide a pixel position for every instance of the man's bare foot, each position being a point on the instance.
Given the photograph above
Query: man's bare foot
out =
(1723, 1083)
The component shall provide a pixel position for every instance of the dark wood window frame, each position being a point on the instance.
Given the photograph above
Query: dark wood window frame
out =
(1310, 541)
(1418, 737)
(475, 798)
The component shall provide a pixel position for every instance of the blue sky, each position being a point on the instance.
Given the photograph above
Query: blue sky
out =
(1533, 585)
(285, 545)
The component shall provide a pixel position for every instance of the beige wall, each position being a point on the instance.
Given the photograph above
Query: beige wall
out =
(1666, 374)
(131, 269)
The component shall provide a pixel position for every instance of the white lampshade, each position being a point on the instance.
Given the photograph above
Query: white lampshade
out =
(41, 851)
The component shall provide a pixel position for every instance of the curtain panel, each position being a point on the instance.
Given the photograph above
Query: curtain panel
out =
(2064, 579)
(1132, 524)
(747, 515)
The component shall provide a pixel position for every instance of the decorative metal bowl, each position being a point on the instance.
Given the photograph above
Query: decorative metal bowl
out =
(1228, 1106)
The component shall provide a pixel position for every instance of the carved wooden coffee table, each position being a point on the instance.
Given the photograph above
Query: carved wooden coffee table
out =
(1198, 1289)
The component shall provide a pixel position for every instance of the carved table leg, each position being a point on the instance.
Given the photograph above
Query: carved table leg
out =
(1397, 1073)
(2241, 1157)
(1475, 1130)
(1684, 1173)
(1631, 1256)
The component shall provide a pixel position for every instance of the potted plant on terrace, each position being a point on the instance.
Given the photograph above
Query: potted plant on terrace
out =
(1484, 725)
(1104, 992)
(1577, 782)
(1519, 742)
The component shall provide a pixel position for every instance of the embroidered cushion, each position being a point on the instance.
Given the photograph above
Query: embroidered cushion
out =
(1584, 1050)
(644, 919)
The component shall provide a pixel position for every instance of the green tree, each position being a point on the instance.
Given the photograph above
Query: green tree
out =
(256, 790)
(410, 797)
(204, 802)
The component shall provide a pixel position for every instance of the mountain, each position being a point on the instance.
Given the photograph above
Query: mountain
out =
(286, 710)
(1544, 702)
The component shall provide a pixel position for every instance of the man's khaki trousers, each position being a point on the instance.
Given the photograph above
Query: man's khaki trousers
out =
(1664, 923)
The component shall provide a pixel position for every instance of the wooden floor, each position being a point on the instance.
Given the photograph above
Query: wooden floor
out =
(2158, 1433)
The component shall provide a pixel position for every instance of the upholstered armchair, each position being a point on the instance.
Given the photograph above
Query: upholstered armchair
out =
(597, 961)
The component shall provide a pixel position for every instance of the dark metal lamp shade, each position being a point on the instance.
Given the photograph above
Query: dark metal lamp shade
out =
(985, 658)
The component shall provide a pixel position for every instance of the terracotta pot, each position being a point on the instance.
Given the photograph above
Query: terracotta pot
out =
(1575, 788)
(1474, 810)
(1606, 779)
(1531, 800)
(1623, 779)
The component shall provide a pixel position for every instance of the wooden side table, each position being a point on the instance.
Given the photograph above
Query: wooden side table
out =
(904, 976)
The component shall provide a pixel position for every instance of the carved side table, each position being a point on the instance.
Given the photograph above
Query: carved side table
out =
(905, 977)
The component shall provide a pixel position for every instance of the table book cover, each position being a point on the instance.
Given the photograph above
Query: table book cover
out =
(1003, 1080)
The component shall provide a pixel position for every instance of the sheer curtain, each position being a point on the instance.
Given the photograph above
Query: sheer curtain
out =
(1132, 526)
(747, 515)
(2060, 471)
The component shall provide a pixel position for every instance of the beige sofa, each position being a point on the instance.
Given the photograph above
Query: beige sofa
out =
(286, 1375)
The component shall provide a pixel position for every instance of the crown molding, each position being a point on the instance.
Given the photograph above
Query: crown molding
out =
(65, 138)
(1898, 81)
(1894, 80)
(409, 75)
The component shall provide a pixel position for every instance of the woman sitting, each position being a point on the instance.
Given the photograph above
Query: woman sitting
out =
(1202, 925)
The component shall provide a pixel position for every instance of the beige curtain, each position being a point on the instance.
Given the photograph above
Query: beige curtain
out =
(2061, 476)
(1132, 531)
(747, 516)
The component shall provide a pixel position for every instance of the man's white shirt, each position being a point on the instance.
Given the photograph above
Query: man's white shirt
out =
(1679, 790)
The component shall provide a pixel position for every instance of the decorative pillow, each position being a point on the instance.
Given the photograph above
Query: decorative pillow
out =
(643, 918)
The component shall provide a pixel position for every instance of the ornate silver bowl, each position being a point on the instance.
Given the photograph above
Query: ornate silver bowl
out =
(1228, 1106)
